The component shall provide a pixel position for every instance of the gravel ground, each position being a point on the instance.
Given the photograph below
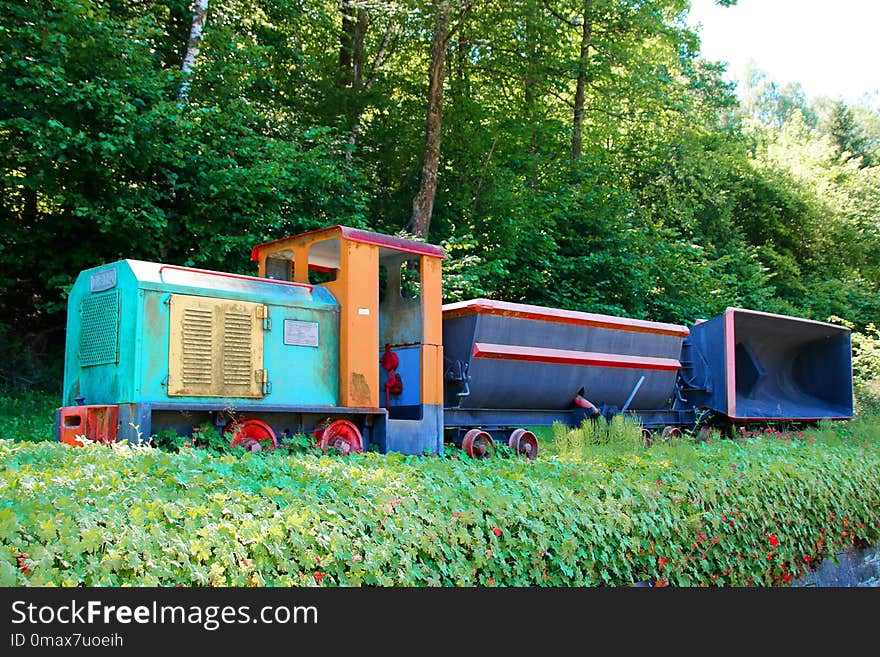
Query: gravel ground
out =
(854, 568)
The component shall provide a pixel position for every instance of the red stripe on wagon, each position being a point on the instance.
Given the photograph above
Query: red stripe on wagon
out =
(568, 357)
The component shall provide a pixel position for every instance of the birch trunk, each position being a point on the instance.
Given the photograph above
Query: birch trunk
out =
(200, 15)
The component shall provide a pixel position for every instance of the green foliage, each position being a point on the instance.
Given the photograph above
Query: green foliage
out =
(28, 417)
(170, 440)
(681, 201)
(757, 511)
(96, 150)
(865, 366)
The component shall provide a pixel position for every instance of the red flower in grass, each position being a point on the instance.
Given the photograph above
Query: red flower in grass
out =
(662, 561)
(786, 577)
(497, 531)
(771, 538)
(22, 565)
(807, 559)
(319, 577)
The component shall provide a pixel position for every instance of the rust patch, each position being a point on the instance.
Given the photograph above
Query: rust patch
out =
(359, 390)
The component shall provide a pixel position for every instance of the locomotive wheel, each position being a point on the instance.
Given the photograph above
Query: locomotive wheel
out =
(478, 444)
(251, 434)
(671, 432)
(320, 428)
(342, 435)
(523, 441)
(647, 436)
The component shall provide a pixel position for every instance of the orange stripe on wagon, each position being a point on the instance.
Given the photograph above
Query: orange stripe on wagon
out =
(555, 315)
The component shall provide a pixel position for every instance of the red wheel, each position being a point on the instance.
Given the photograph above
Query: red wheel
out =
(647, 436)
(478, 444)
(671, 432)
(342, 435)
(524, 442)
(320, 428)
(251, 434)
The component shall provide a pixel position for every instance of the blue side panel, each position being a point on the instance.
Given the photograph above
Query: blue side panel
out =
(415, 436)
(299, 375)
(702, 366)
(410, 370)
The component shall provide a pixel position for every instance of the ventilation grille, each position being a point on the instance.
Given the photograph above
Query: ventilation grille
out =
(198, 346)
(215, 348)
(99, 329)
(237, 369)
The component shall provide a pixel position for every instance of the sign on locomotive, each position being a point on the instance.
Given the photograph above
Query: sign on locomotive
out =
(371, 357)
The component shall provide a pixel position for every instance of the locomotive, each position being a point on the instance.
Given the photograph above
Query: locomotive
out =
(343, 334)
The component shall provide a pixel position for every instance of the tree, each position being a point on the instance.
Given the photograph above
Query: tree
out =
(423, 204)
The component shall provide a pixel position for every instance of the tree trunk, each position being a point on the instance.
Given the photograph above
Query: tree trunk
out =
(355, 22)
(530, 78)
(200, 15)
(582, 81)
(351, 45)
(361, 85)
(423, 203)
(31, 207)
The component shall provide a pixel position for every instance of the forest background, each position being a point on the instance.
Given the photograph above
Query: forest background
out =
(571, 153)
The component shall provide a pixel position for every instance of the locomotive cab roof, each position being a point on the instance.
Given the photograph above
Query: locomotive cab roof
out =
(324, 252)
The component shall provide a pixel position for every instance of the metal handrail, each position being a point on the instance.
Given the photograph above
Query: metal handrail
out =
(239, 276)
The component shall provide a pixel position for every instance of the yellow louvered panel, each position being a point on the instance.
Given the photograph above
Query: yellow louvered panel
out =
(237, 367)
(215, 348)
(197, 347)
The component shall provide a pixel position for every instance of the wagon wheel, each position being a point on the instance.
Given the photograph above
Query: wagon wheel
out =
(251, 434)
(523, 441)
(671, 432)
(342, 435)
(478, 444)
(647, 436)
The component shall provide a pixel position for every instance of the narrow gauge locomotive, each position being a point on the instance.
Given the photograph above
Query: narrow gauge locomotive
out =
(343, 334)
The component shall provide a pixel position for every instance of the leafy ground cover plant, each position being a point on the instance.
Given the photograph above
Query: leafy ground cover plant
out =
(750, 511)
